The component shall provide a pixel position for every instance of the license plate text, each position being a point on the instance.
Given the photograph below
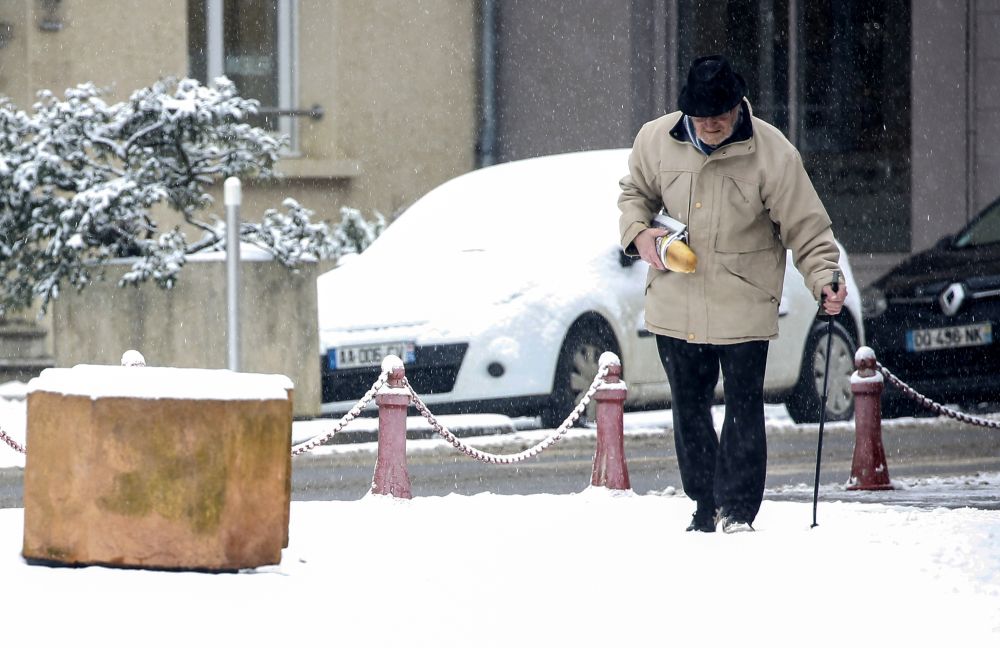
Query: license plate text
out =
(949, 337)
(370, 355)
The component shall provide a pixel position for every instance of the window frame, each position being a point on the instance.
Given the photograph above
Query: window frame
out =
(286, 60)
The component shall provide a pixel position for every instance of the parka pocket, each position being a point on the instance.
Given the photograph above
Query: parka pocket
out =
(744, 223)
(747, 294)
(675, 191)
(761, 269)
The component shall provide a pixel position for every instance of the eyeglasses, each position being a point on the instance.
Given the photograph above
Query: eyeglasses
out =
(727, 116)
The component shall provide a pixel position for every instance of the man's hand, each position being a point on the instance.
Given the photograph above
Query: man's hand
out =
(645, 244)
(832, 301)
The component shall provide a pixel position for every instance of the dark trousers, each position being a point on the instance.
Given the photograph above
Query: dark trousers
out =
(724, 470)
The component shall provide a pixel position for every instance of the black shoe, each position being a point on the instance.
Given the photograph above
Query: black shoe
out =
(703, 520)
(732, 522)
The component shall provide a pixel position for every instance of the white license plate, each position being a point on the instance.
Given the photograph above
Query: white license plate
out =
(369, 355)
(949, 337)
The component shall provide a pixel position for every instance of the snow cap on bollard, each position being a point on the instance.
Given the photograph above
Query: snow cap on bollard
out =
(868, 468)
(391, 363)
(865, 363)
(133, 358)
(393, 366)
(608, 358)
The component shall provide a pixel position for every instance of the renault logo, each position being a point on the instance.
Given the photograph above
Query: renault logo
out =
(952, 298)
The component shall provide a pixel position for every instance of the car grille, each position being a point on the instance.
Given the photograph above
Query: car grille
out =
(925, 298)
(433, 371)
(942, 370)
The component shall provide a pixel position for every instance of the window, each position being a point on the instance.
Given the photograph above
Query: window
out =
(252, 42)
(834, 76)
(855, 117)
(985, 230)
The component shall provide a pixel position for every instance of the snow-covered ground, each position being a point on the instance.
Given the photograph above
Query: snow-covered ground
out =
(589, 569)
(596, 568)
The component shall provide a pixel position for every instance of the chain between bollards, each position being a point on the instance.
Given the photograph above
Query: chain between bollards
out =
(391, 475)
(347, 418)
(487, 457)
(938, 408)
(12, 443)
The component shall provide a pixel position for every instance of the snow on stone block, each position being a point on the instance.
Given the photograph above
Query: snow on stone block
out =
(157, 467)
(101, 381)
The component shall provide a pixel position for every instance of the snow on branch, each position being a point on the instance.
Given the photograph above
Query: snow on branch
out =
(79, 179)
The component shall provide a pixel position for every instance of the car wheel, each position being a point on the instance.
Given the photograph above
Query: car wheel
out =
(806, 400)
(578, 363)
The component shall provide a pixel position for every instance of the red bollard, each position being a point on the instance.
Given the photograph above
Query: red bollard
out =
(610, 470)
(869, 470)
(391, 476)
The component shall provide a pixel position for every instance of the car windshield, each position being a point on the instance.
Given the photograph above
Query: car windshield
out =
(985, 230)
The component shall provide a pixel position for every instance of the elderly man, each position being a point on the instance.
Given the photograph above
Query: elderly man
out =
(740, 188)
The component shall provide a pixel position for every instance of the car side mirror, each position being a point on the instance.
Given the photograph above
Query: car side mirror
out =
(944, 243)
(625, 260)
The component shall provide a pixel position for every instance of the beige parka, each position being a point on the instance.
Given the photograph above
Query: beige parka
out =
(744, 205)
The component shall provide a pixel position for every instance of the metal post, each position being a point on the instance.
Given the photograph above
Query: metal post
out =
(488, 75)
(232, 199)
(214, 55)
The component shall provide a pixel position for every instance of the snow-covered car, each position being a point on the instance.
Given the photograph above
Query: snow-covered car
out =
(501, 288)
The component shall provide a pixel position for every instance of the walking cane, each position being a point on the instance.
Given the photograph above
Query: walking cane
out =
(835, 284)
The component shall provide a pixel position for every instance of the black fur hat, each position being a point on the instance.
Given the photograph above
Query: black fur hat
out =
(712, 87)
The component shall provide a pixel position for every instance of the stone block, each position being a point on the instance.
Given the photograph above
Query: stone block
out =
(157, 467)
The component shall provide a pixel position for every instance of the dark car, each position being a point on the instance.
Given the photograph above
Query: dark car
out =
(933, 320)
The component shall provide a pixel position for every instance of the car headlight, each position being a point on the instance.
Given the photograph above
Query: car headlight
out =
(873, 302)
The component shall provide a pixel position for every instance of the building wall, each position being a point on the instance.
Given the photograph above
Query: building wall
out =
(564, 76)
(985, 133)
(397, 82)
(939, 121)
(956, 102)
(120, 45)
(14, 82)
(407, 87)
